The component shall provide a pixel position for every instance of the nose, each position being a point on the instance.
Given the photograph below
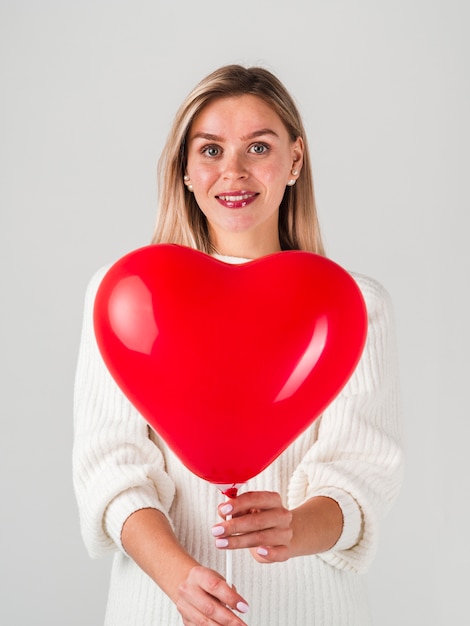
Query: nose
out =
(234, 166)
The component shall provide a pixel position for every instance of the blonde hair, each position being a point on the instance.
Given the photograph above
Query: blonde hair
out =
(180, 220)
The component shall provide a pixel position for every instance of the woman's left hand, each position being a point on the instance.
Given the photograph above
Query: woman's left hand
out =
(259, 522)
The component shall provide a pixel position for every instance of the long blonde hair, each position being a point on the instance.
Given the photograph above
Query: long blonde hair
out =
(180, 220)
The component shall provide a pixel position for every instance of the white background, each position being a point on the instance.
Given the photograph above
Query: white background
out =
(88, 92)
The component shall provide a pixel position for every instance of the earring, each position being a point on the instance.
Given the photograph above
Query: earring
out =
(189, 187)
(292, 181)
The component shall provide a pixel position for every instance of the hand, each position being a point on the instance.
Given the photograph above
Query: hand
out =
(200, 594)
(272, 532)
(259, 522)
(203, 598)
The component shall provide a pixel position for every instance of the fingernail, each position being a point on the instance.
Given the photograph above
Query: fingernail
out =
(226, 509)
(262, 551)
(242, 607)
(221, 543)
(217, 531)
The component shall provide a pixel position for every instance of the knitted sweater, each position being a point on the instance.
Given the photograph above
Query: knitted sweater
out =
(351, 453)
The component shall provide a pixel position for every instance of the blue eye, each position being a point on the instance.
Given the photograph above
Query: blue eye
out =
(259, 148)
(211, 151)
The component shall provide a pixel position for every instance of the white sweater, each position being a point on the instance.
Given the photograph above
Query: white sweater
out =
(352, 453)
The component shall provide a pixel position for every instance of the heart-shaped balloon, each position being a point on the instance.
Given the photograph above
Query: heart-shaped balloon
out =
(229, 363)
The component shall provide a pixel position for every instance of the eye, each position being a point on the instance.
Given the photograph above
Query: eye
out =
(259, 148)
(211, 151)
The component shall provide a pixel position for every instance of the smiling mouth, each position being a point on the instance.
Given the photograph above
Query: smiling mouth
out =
(236, 200)
(233, 198)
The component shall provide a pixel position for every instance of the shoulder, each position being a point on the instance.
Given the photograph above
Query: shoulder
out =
(380, 309)
(96, 278)
(376, 296)
(370, 287)
(92, 288)
(95, 281)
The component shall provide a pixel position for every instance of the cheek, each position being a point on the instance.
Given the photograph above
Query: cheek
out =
(276, 183)
(276, 174)
(202, 179)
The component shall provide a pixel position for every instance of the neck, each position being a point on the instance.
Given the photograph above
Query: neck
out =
(245, 247)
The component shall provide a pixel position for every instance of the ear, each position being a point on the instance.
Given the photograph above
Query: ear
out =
(298, 154)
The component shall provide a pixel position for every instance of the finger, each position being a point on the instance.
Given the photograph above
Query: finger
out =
(254, 522)
(250, 500)
(214, 613)
(267, 537)
(218, 588)
(209, 593)
(225, 509)
(270, 554)
(209, 613)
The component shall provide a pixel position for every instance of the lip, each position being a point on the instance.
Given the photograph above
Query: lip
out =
(237, 199)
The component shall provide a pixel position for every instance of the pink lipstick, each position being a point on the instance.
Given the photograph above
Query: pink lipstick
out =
(236, 199)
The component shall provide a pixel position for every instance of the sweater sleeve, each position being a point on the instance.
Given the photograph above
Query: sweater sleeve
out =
(117, 468)
(357, 458)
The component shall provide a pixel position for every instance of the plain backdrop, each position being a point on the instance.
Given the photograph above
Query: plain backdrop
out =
(88, 92)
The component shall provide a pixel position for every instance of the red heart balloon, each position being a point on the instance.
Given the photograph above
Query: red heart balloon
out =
(229, 363)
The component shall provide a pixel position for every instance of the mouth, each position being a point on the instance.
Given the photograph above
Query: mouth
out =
(236, 199)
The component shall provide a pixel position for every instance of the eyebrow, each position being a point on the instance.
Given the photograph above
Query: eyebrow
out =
(253, 135)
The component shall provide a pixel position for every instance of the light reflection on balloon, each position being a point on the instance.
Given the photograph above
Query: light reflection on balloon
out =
(131, 314)
(307, 361)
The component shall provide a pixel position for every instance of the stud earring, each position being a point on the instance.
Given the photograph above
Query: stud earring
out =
(291, 182)
(189, 187)
(294, 172)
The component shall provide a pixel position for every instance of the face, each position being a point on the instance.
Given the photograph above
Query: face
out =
(239, 160)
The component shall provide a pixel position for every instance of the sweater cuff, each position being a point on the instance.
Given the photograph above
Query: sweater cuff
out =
(352, 517)
(124, 505)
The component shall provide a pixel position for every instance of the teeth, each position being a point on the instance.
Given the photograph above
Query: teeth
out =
(236, 198)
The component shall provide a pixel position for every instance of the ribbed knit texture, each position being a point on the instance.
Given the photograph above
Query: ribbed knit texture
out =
(352, 453)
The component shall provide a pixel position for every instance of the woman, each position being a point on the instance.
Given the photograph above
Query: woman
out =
(235, 182)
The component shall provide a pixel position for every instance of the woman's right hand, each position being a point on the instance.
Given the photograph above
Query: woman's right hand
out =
(201, 595)
(205, 595)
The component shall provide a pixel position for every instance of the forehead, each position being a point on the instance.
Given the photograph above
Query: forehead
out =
(238, 115)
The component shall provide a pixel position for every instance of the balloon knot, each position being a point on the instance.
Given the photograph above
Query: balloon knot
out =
(232, 492)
